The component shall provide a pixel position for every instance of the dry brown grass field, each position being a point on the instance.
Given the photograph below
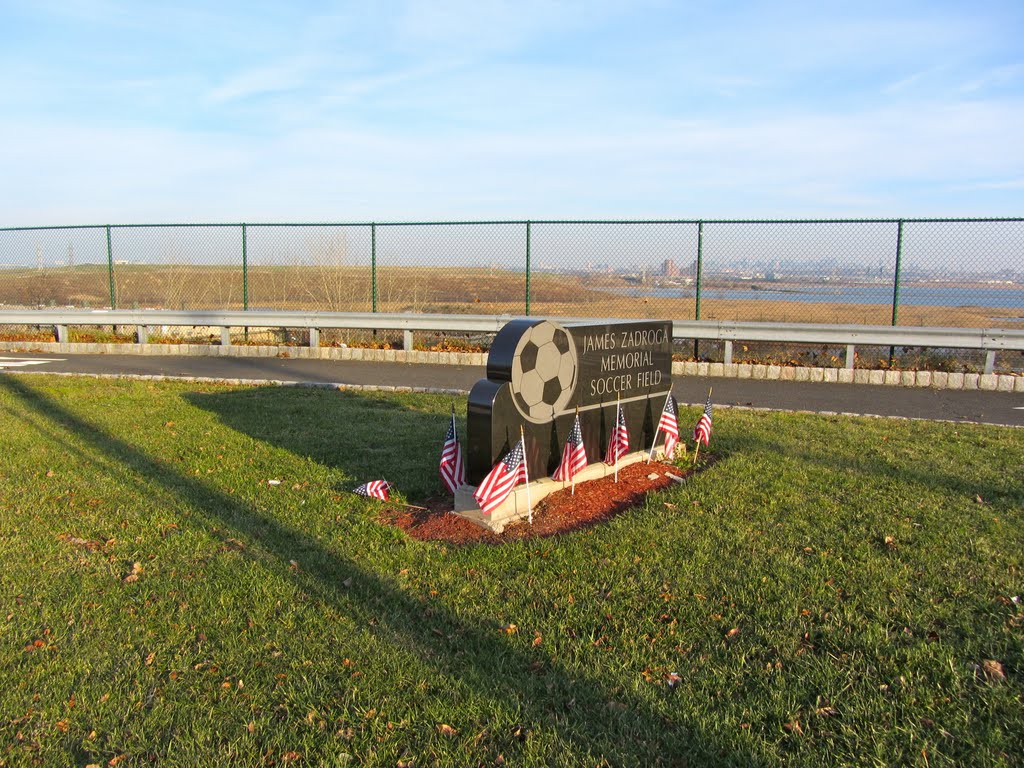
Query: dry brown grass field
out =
(445, 290)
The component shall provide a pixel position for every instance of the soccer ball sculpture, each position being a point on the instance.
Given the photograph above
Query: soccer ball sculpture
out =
(544, 372)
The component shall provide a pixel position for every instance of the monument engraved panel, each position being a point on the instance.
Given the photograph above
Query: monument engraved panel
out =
(540, 371)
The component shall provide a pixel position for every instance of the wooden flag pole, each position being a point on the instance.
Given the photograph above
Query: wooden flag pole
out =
(409, 506)
(573, 491)
(696, 453)
(658, 429)
(526, 471)
(388, 501)
(615, 431)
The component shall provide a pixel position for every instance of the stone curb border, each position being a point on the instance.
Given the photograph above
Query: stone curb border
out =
(246, 382)
(996, 382)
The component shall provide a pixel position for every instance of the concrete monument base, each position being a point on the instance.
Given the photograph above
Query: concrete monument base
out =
(515, 506)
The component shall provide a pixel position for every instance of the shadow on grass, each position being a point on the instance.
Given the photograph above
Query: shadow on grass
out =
(549, 697)
(366, 436)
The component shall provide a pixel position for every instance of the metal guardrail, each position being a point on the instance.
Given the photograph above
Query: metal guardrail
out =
(988, 340)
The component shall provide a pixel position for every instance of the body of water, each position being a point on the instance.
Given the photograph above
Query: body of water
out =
(938, 296)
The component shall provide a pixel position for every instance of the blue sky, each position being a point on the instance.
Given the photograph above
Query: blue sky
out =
(133, 112)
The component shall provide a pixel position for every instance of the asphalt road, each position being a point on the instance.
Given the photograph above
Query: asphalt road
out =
(919, 403)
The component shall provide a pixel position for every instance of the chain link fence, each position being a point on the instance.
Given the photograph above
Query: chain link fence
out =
(920, 272)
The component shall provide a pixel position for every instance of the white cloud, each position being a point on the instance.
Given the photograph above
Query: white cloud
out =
(458, 109)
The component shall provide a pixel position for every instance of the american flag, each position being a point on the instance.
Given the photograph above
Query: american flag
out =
(702, 432)
(499, 482)
(670, 425)
(618, 445)
(574, 457)
(453, 471)
(377, 489)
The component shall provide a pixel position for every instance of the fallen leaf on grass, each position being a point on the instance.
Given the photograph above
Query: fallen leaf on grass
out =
(136, 571)
(446, 730)
(825, 709)
(794, 727)
(91, 544)
(149, 659)
(509, 629)
(993, 670)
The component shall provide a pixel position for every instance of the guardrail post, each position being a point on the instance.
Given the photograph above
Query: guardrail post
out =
(850, 356)
(61, 331)
(527, 269)
(314, 337)
(225, 337)
(407, 341)
(727, 358)
(990, 361)
(142, 334)
(110, 270)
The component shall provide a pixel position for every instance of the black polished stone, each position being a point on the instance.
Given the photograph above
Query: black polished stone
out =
(539, 372)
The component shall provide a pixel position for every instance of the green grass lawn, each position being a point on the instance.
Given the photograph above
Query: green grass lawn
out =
(831, 591)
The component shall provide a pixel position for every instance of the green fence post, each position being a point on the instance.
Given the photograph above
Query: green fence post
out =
(373, 267)
(896, 282)
(698, 278)
(899, 269)
(527, 269)
(245, 272)
(110, 270)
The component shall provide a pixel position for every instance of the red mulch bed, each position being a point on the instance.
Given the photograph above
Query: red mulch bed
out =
(561, 512)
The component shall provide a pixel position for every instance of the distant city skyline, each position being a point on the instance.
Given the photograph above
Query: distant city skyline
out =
(126, 112)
